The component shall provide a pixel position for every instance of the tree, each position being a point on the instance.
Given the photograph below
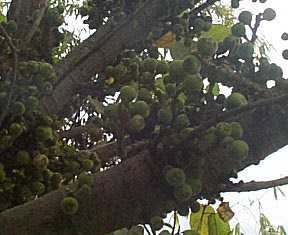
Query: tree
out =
(110, 135)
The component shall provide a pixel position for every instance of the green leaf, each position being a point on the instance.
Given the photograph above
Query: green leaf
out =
(218, 32)
(207, 222)
(216, 89)
(217, 226)
(237, 229)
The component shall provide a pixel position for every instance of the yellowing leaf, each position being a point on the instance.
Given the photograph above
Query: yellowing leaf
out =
(166, 40)
(199, 220)
(224, 211)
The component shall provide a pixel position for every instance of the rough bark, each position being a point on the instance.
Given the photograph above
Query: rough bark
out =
(28, 15)
(131, 192)
(98, 51)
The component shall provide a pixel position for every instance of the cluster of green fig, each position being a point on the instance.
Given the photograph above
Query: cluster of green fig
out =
(99, 11)
(152, 88)
(33, 159)
(230, 134)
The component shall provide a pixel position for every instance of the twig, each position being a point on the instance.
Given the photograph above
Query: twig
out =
(14, 78)
(255, 28)
(256, 185)
(174, 223)
(227, 114)
(36, 22)
(147, 230)
(203, 6)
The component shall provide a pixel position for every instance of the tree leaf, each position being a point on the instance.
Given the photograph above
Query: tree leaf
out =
(218, 32)
(216, 89)
(217, 226)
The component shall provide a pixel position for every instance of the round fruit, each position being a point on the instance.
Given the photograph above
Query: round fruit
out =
(245, 17)
(175, 177)
(275, 72)
(85, 178)
(285, 54)
(230, 42)
(140, 107)
(284, 36)
(44, 133)
(269, 14)
(111, 111)
(183, 193)
(195, 183)
(40, 161)
(11, 26)
(210, 136)
(69, 205)
(32, 103)
(128, 93)
(23, 158)
(137, 123)
(18, 108)
(145, 95)
(236, 100)
(246, 51)
(192, 83)
(176, 70)
(37, 188)
(207, 46)
(223, 129)
(87, 164)
(109, 71)
(56, 179)
(238, 30)
(136, 230)
(156, 223)
(150, 65)
(162, 67)
(182, 121)
(183, 210)
(191, 64)
(235, 3)
(195, 207)
(165, 116)
(239, 149)
(237, 130)
(16, 129)
(186, 133)
(164, 232)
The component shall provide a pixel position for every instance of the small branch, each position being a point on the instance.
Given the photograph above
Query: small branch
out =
(14, 78)
(36, 22)
(255, 28)
(76, 131)
(174, 223)
(234, 112)
(203, 6)
(254, 185)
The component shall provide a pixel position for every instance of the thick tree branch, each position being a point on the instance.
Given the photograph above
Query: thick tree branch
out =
(127, 188)
(256, 185)
(28, 15)
(100, 49)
